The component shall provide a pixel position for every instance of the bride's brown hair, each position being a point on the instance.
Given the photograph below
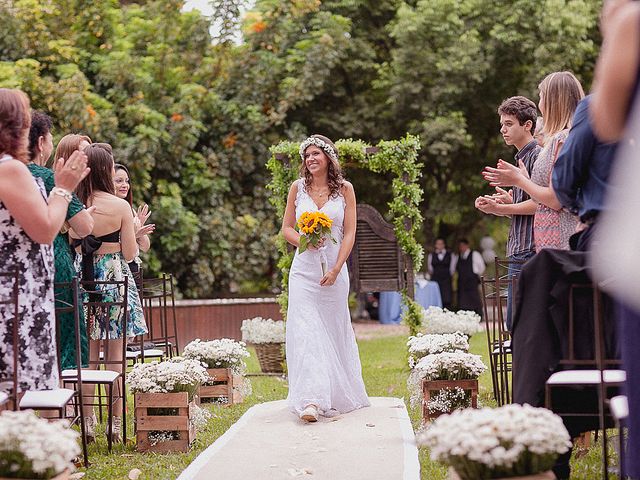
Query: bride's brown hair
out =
(335, 179)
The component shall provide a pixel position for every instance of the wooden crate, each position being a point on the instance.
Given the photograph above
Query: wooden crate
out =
(226, 386)
(430, 386)
(147, 421)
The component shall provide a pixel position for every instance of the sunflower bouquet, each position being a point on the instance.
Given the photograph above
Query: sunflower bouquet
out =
(314, 227)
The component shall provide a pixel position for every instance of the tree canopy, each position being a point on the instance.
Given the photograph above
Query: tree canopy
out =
(194, 116)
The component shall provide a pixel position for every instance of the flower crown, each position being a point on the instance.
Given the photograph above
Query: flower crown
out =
(318, 142)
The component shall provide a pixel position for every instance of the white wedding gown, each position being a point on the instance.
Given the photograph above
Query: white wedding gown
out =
(322, 355)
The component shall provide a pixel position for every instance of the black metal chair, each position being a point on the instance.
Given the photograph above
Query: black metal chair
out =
(10, 305)
(46, 400)
(158, 302)
(582, 373)
(101, 297)
(495, 294)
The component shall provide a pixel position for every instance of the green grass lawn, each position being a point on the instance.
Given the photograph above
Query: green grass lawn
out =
(385, 374)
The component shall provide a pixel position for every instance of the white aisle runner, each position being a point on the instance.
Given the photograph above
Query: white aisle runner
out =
(270, 443)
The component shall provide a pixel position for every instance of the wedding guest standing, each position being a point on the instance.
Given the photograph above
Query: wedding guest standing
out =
(122, 184)
(69, 144)
(104, 257)
(560, 93)
(78, 218)
(614, 111)
(469, 265)
(518, 122)
(441, 267)
(28, 226)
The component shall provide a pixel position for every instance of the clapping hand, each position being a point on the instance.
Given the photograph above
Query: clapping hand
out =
(68, 175)
(503, 196)
(505, 174)
(139, 221)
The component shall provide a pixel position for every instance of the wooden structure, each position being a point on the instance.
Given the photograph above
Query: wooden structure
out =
(377, 263)
(224, 386)
(168, 414)
(432, 386)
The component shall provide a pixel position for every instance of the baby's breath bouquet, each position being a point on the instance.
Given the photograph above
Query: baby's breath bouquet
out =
(35, 448)
(314, 227)
(262, 330)
(510, 441)
(456, 365)
(219, 353)
(422, 345)
(170, 376)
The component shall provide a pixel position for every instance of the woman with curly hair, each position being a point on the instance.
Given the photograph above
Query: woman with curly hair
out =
(325, 375)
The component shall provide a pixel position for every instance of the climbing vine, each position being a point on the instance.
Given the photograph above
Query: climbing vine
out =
(399, 157)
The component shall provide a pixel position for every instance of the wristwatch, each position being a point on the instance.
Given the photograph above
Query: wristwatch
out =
(66, 194)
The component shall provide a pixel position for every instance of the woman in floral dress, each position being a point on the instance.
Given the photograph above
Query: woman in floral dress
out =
(103, 256)
(28, 225)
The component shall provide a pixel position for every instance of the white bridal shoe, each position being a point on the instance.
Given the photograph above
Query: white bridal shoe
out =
(309, 414)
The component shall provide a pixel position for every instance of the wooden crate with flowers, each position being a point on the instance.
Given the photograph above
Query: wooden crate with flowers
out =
(224, 359)
(510, 442)
(33, 447)
(267, 336)
(167, 415)
(444, 376)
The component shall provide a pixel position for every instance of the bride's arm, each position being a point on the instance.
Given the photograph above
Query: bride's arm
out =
(349, 238)
(289, 219)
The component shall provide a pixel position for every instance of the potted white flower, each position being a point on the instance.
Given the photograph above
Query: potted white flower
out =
(267, 336)
(35, 448)
(438, 320)
(513, 441)
(422, 345)
(445, 372)
(224, 359)
(166, 412)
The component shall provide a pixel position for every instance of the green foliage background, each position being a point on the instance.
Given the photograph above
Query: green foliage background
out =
(194, 116)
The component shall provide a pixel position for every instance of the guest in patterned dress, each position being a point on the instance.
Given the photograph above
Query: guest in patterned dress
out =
(104, 257)
(78, 218)
(28, 226)
(560, 93)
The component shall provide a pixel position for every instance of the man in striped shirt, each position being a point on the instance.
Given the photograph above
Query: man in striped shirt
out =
(518, 117)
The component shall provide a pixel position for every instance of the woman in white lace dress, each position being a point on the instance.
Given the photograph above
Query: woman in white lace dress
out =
(325, 375)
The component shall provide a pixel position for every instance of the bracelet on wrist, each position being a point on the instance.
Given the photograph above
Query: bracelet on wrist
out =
(61, 192)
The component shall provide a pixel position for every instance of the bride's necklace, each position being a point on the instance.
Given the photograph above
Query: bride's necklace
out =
(322, 196)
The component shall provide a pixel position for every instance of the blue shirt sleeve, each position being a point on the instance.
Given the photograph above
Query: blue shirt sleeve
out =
(572, 166)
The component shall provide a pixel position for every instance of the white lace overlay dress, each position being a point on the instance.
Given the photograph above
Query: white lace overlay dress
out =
(322, 355)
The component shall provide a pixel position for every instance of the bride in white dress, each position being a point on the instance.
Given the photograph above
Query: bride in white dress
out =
(325, 375)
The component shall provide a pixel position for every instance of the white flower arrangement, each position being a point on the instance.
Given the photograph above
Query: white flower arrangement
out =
(261, 330)
(449, 399)
(32, 447)
(438, 320)
(423, 345)
(220, 353)
(170, 376)
(443, 366)
(510, 441)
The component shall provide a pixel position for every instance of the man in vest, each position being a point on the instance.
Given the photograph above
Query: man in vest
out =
(440, 266)
(469, 265)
